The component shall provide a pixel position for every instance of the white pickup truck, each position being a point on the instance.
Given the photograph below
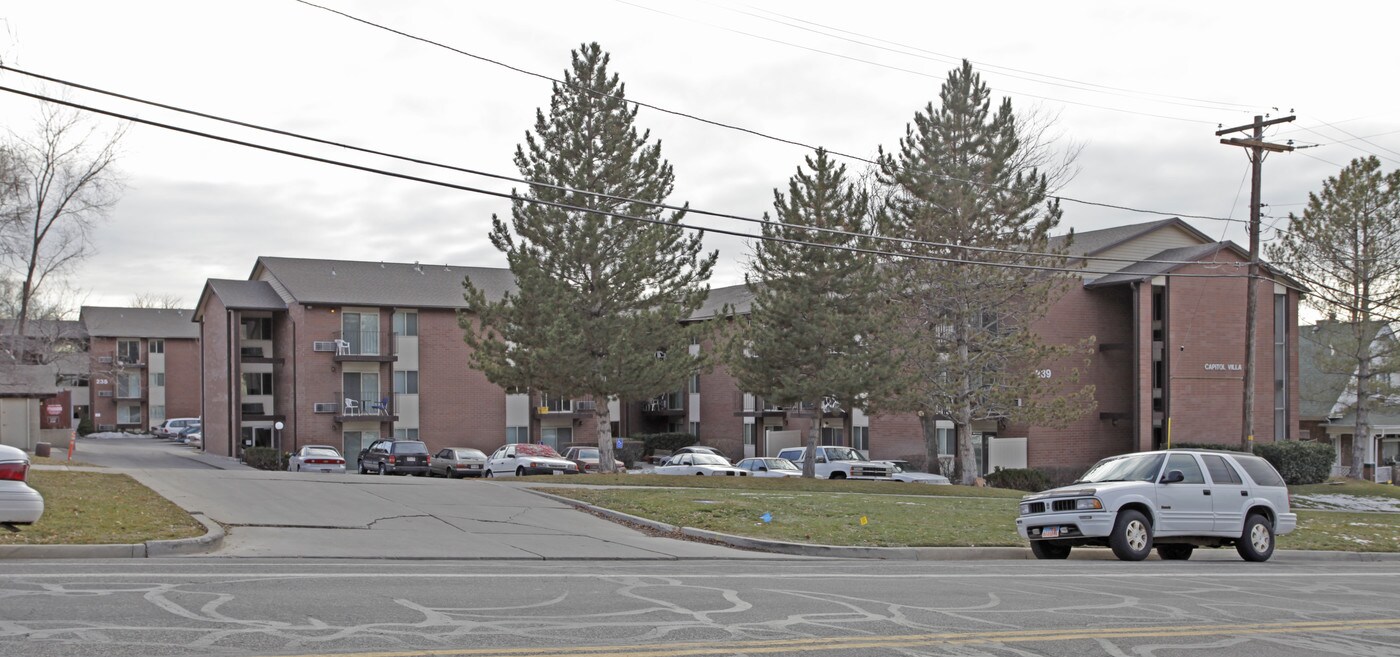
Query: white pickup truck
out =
(835, 462)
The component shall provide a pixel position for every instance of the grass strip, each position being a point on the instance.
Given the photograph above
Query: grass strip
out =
(91, 508)
(787, 485)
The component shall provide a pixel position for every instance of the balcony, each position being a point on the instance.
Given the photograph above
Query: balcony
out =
(668, 405)
(129, 393)
(354, 409)
(563, 408)
(119, 361)
(365, 346)
(758, 407)
(257, 352)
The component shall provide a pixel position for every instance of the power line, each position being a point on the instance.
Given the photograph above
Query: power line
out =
(857, 158)
(566, 206)
(523, 181)
(1019, 74)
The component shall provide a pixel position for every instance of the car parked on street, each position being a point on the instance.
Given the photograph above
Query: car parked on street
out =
(1175, 500)
(701, 449)
(586, 458)
(769, 467)
(699, 464)
(19, 504)
(455, 462)
(317, 458)
(173, 426)
(521, 459)
(904, 471)
(390, 456)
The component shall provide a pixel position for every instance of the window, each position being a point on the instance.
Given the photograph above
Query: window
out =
(694, 428)
(749, 431)
(1280, 367)
(406, 382)
(947, 439)
(1259, 470)
(156, 346)
(257, 383)
(129, 385)
(695, 383)
(833, 436)
(1220, 470)
(256, 328)
(556, 404)
(361, 330)
(406, 434)
(157, 379)
(129, 351)
(860, 438)
(556, 436)
(406, 323)
(257, 437)
(1188, 467)
(129, 414)
(362, 387)
(517, 435)
(157, 415)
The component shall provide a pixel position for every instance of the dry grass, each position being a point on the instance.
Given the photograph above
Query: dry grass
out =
(93, 508)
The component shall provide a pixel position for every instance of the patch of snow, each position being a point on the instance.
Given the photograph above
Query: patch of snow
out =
(1339, 502)
(108, 435)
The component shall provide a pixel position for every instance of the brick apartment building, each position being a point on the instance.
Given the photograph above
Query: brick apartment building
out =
(143, 366)
(342, 352)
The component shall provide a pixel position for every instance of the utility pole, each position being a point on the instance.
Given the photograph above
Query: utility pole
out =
(1256, 147)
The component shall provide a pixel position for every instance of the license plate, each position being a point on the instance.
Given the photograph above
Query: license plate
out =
(473, 467)
(1050, 532)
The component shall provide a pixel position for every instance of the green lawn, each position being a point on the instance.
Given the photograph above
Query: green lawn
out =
(1348, 487)
(92, 508)
(903, 515)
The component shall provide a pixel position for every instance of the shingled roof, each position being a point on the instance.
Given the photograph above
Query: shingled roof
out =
(355, 283)
(102, 322)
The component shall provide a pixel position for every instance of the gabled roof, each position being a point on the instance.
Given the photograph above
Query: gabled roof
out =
(103, 322)
(239, 295)
(1093, 242)
(354, 283)
(54, 329)
(1325, 382)
(28, 380)
(737, 296)
(1140, 271)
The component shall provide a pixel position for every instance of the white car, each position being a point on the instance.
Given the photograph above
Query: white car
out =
(836, 462)
(19, 504)
(521, 459)
(317, 458)
(769, 467)
(172, 427)
(904, 471)
(699, 464)
(1176, 500)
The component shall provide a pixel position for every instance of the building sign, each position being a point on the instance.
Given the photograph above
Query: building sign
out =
(1224, 367)
(54, 409)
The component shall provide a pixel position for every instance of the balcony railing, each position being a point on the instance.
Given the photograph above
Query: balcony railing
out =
(129, 393)
(365, 345)
(115, 360)
(356, 407)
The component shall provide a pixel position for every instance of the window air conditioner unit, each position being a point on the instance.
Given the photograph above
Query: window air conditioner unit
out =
(105, 360)
(104, 393)
(325, 407)
(585, 405)
(323, 345)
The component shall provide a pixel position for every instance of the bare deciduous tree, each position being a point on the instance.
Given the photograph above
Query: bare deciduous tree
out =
(153, 300)
(61, 180)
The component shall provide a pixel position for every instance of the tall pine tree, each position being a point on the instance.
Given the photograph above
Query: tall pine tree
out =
(599, 296)
(816, 335)
(963, 176)
(1346, 248)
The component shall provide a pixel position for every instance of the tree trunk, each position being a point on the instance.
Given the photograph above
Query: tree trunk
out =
(1361, 438)
(809, 458)
(929, 423)
(603, 415)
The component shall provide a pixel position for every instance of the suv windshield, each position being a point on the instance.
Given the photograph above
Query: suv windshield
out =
(1137, 467)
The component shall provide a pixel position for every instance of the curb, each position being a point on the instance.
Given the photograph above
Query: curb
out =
(212, 539)
(928, 553)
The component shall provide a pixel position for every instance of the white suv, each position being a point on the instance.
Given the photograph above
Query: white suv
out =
(833, 462)
(1177, 500)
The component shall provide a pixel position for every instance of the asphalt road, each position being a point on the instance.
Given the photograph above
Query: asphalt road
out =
(385, 608)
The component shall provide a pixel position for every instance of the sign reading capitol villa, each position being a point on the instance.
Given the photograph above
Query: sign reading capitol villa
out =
(1224, 367)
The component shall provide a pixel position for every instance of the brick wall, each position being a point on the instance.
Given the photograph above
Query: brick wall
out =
(182, 378)
(215, 336)
(458, 406)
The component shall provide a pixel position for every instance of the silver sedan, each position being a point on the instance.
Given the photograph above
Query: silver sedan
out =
(317, 458)
(455, 462)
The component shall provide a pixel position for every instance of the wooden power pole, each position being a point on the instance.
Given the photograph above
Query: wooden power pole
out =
(1256, 147)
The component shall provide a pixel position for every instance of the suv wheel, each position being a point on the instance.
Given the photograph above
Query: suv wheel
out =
(1131, 539)
(1047, 550)
(383, 470)
(1257, 541)
(1175, 552)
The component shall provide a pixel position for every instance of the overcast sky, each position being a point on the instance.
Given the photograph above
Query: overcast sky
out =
(1141, 87)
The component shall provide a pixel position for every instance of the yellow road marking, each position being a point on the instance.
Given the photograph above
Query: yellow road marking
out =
(897, 641)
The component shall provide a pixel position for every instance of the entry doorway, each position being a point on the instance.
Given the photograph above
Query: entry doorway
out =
(351, 444)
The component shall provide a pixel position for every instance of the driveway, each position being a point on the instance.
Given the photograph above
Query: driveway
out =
(284, 514)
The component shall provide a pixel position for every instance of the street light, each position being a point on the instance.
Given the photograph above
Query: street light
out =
(277, 428)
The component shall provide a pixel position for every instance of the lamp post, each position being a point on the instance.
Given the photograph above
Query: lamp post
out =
(277, 436)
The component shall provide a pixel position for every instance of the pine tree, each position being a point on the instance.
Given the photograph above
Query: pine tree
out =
(815, 337)
(1346, 248)
(963, 176)
(598, 295)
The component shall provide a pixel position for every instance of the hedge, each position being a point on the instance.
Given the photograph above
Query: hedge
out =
(1026, 479)
(1300, 462)
(264, 458)
(666, 442)
(1233, 447)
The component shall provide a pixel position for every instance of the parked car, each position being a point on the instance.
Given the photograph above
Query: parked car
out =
(700, 449)
(195, 438)
(769, 467)
(1175, 500)
(904, 471)
(587, 459)
(317, 458)
(836, 462)
(520, 459)
(390, 456)
(699, 464)
(19, 504)
(455, 462)
(183, 435)
(172, 426)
